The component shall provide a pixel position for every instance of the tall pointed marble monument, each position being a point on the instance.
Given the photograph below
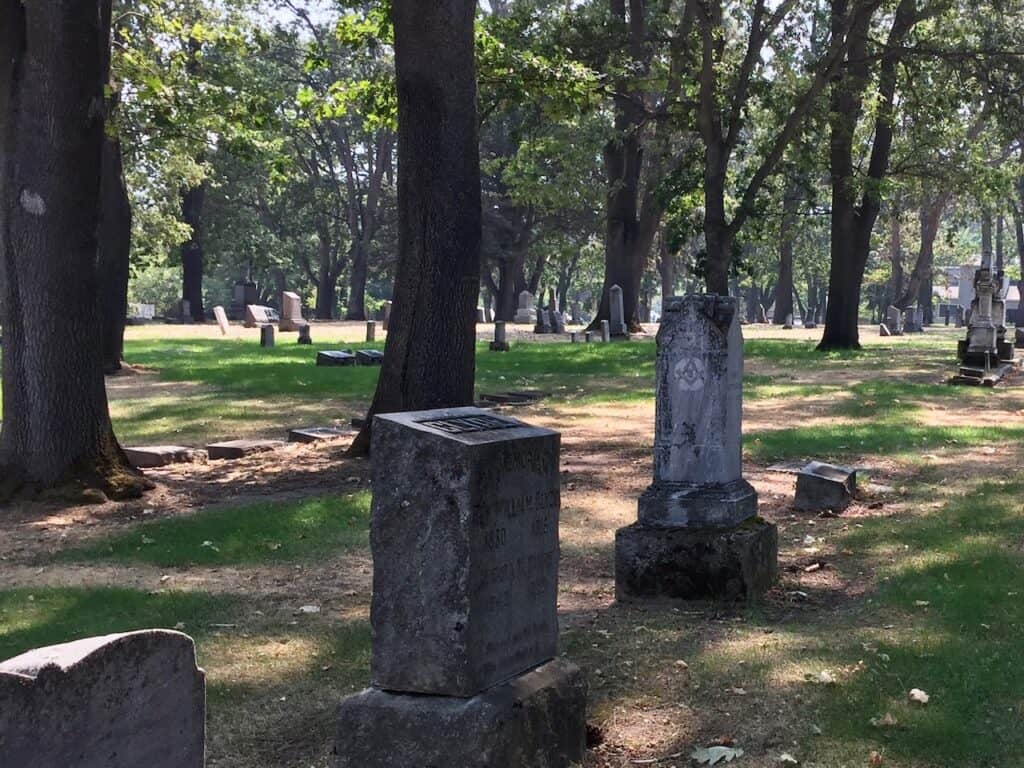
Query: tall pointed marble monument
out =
(698, 534)
(986, 355)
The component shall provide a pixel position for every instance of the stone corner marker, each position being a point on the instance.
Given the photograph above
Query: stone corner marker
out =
(464, 534)
(698, 535)
(121, 701)
(824, 487)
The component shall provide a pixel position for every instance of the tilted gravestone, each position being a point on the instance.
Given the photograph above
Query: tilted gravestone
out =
(698, 534)
(824, 487)
(222, 320)
(120, 701)
(257, 315)
(527, 312)
(464, 535)
(617, 312)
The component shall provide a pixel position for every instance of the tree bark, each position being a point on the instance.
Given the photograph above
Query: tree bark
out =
(853, 219)
(56, 427)
(787, 234)
(192, 251)
(114, 254)
(430, 351)
(930, 219)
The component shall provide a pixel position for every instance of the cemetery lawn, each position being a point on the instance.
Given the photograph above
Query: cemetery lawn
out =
(920, 585)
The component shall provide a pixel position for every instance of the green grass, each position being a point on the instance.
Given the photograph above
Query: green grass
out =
(271, 532)
(34, 618)
(955, 608)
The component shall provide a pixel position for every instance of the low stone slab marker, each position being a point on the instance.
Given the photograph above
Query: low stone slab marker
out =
(152, 456)
(822, 487)
(334, 358)
(134, 700)
(316, 434)
(238, 449)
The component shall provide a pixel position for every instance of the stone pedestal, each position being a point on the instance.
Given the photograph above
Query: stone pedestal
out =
(536, 720)
(698, 535)
(680, 563)
(464, 534)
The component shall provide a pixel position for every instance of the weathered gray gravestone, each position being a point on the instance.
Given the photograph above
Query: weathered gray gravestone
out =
(464, 536)
(557, 321)
(266, 336)
(618, 314)
(500, 343)
(606, 334)
(588, 337)
(121, 701)
(821, 487)
(304, 335)
(527, 312)
(371, 331)
(698, 534)
(576, 310)
(894, 321)
(543, 322)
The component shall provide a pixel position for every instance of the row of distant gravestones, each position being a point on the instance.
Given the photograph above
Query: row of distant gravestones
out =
(464, 533)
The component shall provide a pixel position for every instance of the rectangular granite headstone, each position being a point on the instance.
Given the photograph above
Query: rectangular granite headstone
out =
(291, 312)
(135, 700)
(464, 536)
(617, 312)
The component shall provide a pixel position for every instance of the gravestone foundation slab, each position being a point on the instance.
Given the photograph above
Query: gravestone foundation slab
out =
(824, 487)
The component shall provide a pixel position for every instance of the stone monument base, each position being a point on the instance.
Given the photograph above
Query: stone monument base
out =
(674, 562)
(695, 505)
(536, 720)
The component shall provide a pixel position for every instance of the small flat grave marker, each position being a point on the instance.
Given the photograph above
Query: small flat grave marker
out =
(369, 357)
(823, 487)
(316, 434)
(152, 456)
(238, 449)
(335, 358)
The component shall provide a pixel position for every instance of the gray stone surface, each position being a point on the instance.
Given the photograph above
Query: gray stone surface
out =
(617, 313)
(699, 405)
(369, 357)
(151, 456)
(697, 535)
(266, 336)
(537, 720)
(371, 330)
(257, 315)
(693, 564)
(697, 505)
(317, 434)
(527, 311)
(304, 335)
(588, 337)
(464, 536)
(335, 357)
(134, 700)
(606, 331)
(821, 487)
(237, 449)
(894, 321)
(557, 321)
(543, 322)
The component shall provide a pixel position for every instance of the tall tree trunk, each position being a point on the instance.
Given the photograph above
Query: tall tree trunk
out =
(115, 246)
(56, 427)
(853, 221)
(930, 219)
(431, 346)
(787, 235)
(632, 222)
(357, 284)
(326, 284)
(192, 251)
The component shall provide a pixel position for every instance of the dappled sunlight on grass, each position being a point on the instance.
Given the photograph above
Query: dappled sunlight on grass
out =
(33, 618)
(270, 532)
